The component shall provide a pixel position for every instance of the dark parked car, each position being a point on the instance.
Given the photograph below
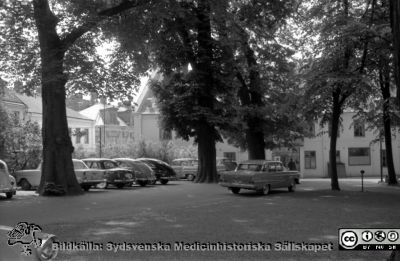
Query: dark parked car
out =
(162, 170)
(143, 174)
(119, 177)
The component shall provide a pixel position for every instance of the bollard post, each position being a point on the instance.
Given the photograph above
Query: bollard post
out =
(362, 180)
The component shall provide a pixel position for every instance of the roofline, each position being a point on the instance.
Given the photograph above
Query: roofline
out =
(33, 112)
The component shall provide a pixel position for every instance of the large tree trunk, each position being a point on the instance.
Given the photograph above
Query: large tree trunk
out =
(251, 95)
(207, 154)
(255, 140)
(384, 79)
(58, 175)
(336, 112)
(395, 23)
(206, 132)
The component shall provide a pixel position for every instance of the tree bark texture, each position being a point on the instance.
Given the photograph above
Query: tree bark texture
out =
(207, 154)
(384, 78)
(206, 132)
(58, 177)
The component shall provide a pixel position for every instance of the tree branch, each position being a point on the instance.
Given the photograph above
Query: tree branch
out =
(101, 15)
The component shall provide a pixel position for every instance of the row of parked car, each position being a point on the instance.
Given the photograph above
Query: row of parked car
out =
(121, 172)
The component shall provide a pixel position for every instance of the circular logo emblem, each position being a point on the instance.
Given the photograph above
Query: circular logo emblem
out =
(349, 239)
(367, 236)
(392, 236)
(380, 236)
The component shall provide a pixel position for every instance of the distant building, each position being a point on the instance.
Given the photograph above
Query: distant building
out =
(13, 104)
(111, 129)
(357, 149)
(30, 108)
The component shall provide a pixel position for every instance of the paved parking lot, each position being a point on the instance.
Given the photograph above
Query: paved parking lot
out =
(184, 215)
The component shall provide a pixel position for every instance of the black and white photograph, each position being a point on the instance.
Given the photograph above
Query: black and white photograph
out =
(199, 130)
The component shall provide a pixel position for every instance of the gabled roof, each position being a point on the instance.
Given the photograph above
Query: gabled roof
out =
(34, 105)
(10, 96)
(93, 111)
(145, 93)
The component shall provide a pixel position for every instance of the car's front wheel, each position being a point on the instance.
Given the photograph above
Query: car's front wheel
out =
(120, 185)
(164, 181)
(265, 190)
(142, 183)
(86, 187)
(25, 185)
(9, 194)
(190, 177)
(235, 190)
(292, 186)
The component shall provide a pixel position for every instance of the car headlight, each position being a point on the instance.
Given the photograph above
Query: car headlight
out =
(46, 250)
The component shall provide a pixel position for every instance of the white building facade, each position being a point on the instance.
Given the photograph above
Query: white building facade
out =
(30, 108)
(357, 149)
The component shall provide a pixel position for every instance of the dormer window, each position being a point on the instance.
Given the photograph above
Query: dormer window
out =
(359, 129)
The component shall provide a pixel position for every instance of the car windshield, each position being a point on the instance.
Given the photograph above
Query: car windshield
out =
(253, 167)
(108, 164)
(2, 169)
(79, 165)
(125, 164)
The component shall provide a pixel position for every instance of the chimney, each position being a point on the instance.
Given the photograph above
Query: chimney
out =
(93, 98)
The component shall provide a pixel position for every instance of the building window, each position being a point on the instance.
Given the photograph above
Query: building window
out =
(359, 156)
(310, 160)
(384, 158)
(311, 129)
(359, 129)
(165, 134)
(230, 155)
(78, 135)
(16, 115)
(85, 135)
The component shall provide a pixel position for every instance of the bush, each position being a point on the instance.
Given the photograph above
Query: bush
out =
(22, 144)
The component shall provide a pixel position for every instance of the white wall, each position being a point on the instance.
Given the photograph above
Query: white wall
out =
(346, 140)
(74, 123)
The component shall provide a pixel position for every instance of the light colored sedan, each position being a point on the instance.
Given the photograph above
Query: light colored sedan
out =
(259, 175)
(185, 168)
(30, 178)
(7, 182)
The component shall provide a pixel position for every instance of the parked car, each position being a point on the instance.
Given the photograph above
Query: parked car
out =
(30, 178)
(259, 175)
(163, 172)
(185, 168)
(225, 164)
(119, 177)
(7, 182)
(143, 174)
(14, 252)
(87, 177)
